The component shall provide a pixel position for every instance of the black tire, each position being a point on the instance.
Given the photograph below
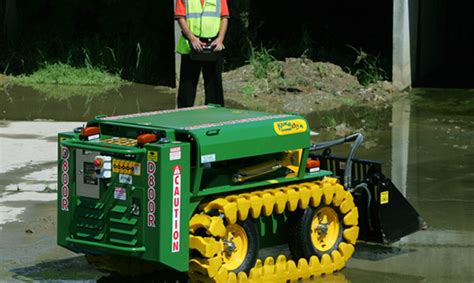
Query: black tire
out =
(250, 227)
(300, 242)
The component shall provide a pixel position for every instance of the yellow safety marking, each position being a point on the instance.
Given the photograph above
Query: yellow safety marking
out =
(351, 234)
(265, 202)
(384, 197)
(152, 155)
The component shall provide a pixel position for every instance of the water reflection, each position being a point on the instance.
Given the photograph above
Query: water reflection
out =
(432, 156)
(72, 103)
(400, 142)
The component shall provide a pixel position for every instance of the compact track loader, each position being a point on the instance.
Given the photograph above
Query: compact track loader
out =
(201, 190)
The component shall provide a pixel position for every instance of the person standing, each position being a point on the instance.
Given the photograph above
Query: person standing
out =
(203, 23)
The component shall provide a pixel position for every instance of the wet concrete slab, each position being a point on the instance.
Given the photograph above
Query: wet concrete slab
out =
(427, 147)
(28, 187)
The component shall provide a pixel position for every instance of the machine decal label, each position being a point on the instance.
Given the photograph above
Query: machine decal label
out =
(176, 208)
(125, 179)
(64, 179)
(290, 127)
(208, 158)
(151, 193)
(152, 156)
(90, 176)
(120, 193)
(126, 167)
(175, 153)
(384, 197)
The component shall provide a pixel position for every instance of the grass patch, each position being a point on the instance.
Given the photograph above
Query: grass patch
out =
(61, 81)
(261, 61)
(249, 89)
(64, 74)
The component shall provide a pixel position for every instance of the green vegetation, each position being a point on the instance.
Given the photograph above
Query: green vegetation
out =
(262, 61)
(249, 89)
(367, 67)
(64, 74)
(61, 81)
(123, 38)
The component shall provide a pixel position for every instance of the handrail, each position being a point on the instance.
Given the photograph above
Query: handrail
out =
(357, 140)
(112, 148)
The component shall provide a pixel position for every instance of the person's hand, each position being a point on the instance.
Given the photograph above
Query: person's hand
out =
(197, 44)
(217, 44)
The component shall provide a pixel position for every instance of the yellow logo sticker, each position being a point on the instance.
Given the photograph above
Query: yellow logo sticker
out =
(290, 127)
(384, 197)
(152, 156)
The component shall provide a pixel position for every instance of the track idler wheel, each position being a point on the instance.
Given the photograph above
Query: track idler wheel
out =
(241, 245)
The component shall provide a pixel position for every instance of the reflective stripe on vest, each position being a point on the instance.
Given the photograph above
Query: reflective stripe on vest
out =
(202, 21)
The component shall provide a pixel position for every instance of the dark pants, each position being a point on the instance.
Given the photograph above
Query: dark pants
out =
(189, 77)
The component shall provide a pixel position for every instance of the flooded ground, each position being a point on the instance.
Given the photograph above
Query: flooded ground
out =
(426, 142)
(66, 103)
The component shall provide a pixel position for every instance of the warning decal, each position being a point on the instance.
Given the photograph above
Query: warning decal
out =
(175, 235)
(384, 197)
(175, 153)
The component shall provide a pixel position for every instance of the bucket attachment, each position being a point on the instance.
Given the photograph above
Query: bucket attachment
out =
(385, 215)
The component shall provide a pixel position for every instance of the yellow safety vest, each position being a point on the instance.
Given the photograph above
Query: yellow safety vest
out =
(203, 22)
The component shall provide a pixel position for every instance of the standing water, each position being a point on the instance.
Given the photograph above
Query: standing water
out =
(426, 142)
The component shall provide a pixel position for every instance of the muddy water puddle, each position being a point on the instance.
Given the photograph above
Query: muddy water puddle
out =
(426, 142)
(66, 103)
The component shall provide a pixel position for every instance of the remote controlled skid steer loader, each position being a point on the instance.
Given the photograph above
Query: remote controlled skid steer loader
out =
(202, 189)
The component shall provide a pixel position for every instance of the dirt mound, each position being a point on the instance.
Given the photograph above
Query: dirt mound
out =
(301, 85)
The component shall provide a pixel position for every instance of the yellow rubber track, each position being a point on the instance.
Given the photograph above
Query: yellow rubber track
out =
(210, 265)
